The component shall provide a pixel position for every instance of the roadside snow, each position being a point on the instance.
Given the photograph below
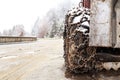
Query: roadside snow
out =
(2, 52)
(8, 57)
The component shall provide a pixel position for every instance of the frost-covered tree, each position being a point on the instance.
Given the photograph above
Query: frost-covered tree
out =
(40, 28)
(5, 33)
(52, 25)
(35, 29)
(56, 18)
(18, 30)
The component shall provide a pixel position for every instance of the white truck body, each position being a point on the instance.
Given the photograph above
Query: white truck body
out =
(105, 23)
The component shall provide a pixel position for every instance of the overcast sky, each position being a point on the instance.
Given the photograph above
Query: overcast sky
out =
(13, 12)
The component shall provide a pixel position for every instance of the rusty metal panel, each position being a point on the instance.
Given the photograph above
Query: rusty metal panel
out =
(100, 24)
(117, 9)
(86, 3)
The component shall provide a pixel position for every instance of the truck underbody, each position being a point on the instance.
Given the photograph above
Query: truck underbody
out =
(80, 53)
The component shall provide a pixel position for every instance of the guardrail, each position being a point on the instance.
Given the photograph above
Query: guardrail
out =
(5, 39)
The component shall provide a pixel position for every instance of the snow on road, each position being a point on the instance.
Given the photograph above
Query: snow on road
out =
(41, 60)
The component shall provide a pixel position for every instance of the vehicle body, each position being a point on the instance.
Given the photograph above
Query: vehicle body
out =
(92, 36)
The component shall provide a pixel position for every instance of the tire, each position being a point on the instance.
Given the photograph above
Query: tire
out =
(79, 57)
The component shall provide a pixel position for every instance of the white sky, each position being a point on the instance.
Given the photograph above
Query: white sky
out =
(13, 12)
(26, 12)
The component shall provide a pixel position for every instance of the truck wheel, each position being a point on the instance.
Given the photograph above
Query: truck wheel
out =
(79, 57)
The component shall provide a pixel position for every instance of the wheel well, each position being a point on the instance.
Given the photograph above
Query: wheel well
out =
(109, 50)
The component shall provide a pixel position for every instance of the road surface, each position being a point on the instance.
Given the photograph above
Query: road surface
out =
(40, 60)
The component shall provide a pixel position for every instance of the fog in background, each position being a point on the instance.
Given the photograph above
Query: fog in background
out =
(41, 18)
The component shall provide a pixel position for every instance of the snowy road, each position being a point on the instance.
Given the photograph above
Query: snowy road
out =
(40, 60)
